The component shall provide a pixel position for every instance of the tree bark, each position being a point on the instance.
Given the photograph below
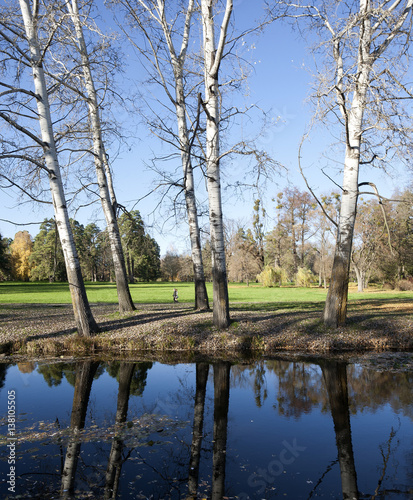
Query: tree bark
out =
(213, 57)
(124, 296)
(84, 320)
(383, 30)
(55, 253)
(177, 63)
(201, 295)
(335, 310)
(360, 274)
(296, 258)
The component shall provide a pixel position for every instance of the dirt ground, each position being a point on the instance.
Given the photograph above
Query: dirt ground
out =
(258, 328)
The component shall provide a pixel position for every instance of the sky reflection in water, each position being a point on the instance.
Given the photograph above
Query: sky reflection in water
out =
(277, 428)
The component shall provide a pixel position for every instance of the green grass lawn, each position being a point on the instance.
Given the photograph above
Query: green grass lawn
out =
(58, 293)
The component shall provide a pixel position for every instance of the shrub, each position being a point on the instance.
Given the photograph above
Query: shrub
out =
(272, 276)
(267, 277)
(304, 277)
(281, 275)
(404, 285)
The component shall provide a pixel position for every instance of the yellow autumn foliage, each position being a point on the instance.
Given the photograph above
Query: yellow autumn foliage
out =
(20, 251)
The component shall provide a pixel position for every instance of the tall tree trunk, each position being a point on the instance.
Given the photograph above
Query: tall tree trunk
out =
(197, 428)
(85, 371)
(360, 274)
(115, 457)
(56, 235)
(84, 320)
(178, 61)
(124, 296)
(296, 258)
(221, 406)
(302, 243)
(201, 295)
(156, 11)
(109, 178)
(129, 265)
(213, 58)
(335, 378)
(335, 310)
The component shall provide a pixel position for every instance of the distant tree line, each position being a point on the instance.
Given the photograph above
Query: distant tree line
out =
(41, 258)
(299, 248)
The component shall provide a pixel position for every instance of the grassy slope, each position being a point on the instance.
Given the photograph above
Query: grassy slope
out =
(158, 293)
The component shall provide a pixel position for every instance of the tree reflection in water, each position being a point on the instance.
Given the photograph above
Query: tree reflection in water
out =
(335, 378)
(202, 370)
(115, 456)
(85, 372)
(177, 442)
(221, 406)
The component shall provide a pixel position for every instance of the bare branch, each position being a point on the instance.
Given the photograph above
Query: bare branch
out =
(376, 192)
(18, 127)
(221, 44)
(25, 191)
(305, 136)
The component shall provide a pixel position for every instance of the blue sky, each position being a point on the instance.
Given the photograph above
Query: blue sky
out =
(280, 84)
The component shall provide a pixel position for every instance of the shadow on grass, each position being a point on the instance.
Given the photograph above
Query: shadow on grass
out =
(146, 318)
(9, 311)
(361, 314)
(276, 306)
(379, 316)
(135, 319)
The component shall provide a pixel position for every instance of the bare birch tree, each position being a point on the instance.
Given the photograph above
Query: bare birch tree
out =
(100, 159)
(34, 58)
(165, 50)
(213, 55)
(366, 45)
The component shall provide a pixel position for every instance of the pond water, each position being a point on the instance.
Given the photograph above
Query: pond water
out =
(279, 428)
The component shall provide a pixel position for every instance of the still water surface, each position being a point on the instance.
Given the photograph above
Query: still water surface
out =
(274, 429)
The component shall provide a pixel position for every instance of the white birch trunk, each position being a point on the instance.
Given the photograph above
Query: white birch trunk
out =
(124, 296)
(109, 178)
(85, 322)
(361, 277)
(178, 61)
(212, 62)
(335, 310)
(201, 296)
